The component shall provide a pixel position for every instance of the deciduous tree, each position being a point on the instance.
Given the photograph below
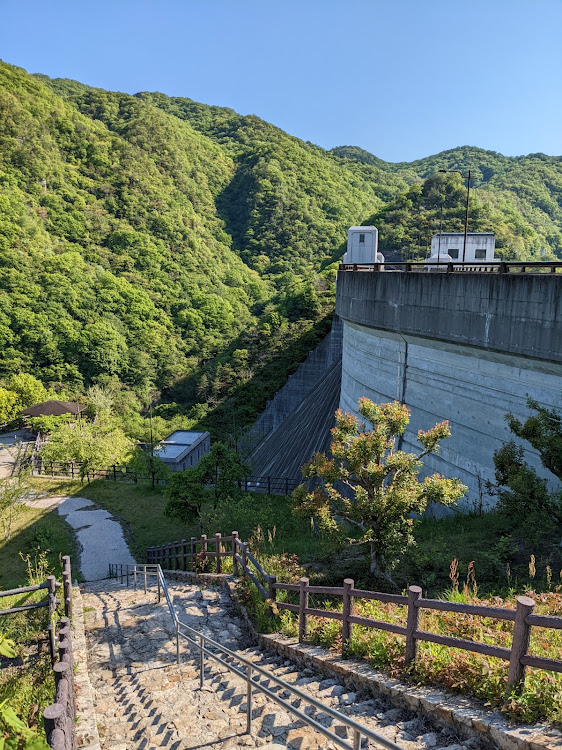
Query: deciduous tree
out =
(369, 485)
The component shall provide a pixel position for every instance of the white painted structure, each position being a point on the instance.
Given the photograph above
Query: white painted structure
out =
(362, 246)
(183, 449)
(480, 246)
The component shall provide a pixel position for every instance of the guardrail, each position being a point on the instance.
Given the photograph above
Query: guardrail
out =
(483, 266)
(267, 585)
(248, 671)
(60, 717)
(73, 470)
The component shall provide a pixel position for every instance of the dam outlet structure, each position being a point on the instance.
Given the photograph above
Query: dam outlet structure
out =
(464, 347)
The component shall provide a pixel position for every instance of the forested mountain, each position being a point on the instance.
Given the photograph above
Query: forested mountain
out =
(153, 242)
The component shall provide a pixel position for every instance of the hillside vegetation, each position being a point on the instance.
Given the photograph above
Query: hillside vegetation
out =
(150, 243)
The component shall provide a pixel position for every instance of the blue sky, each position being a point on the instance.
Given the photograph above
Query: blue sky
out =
(401, 78)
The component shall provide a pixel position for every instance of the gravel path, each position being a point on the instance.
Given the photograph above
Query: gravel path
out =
(100, 536)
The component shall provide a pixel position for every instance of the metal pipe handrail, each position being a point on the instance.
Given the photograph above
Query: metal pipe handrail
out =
(202, 642)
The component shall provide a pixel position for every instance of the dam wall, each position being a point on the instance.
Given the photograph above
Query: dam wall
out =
(464, 347)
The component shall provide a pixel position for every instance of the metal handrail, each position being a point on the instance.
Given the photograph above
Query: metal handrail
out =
(202, 642)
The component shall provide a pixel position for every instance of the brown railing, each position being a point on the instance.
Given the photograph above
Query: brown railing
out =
(483, 266)
(175, 557)
(60, 717)
(73, 470)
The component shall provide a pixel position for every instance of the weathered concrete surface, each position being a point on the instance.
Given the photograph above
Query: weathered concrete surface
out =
(403, 340)
(519, 314)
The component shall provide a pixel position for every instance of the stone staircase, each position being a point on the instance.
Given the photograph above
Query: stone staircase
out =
(144, 699)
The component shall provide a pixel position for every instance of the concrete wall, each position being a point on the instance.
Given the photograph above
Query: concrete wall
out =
(442, 345)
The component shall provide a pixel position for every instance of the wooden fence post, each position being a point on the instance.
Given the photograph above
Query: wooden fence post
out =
(52, 589)
(271, 581)
(347, 627)
(414, 593)
(234, 549)
(203, 548)
(218, 537)
(177, 556)
(303, 604)
(67, 585)
(520, 643)
(193, 551)
(184, 554)
(244, 557)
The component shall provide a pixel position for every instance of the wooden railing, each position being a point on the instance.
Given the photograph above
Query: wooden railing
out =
(474, 266)
(60, 717)
(73, 470)
(175, 556)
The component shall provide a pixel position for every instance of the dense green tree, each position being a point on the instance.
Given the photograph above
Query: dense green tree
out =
(519, 488)
(96, 445)
(382, 489)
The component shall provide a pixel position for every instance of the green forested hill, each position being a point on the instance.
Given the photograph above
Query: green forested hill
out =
(153, 242)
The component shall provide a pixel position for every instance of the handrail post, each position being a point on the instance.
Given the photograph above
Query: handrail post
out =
(127, 575)
(52, 589)
(201, 660)
(347, 627)
(177, 642)
(203, 548)
(184, 554)
(303, 604)
(144, 571)
(159, 584)
(134, 577)
(234, 560)
(244, 557)
(520, 643)
(249, 700)
(356, 739)
(67, 585)
(193, 551)
(271, 581)
(414, 593)
(218, 537)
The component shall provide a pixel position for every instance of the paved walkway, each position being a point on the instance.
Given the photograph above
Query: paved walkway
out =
(144, 700)
(8, 450)
(100, 537)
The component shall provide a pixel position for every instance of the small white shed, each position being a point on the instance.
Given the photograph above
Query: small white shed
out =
(183, 449)
(362, 246)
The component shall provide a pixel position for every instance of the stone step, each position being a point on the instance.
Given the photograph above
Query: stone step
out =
(143, 699)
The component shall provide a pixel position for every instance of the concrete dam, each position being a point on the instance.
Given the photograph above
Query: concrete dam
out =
(466, 347)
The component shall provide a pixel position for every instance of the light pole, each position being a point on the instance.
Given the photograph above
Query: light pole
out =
(465, 177)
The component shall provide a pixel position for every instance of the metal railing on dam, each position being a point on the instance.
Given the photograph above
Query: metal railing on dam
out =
(484, 266)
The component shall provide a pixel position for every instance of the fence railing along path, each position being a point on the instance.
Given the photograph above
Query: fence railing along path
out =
(60, 717)
(73, 470)
(207, 648)
(478, 266)
(175, 556)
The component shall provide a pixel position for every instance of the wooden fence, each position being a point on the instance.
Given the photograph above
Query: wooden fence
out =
(72, 470)
(60, 717)
(175, 556)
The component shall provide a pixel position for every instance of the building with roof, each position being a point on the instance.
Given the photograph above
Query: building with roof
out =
(54, 409)
(183, 449)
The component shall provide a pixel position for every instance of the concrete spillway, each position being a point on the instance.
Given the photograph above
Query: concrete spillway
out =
(468, 348)
(305, 431)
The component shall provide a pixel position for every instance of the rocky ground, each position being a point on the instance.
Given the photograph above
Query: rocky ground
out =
(144, 700)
